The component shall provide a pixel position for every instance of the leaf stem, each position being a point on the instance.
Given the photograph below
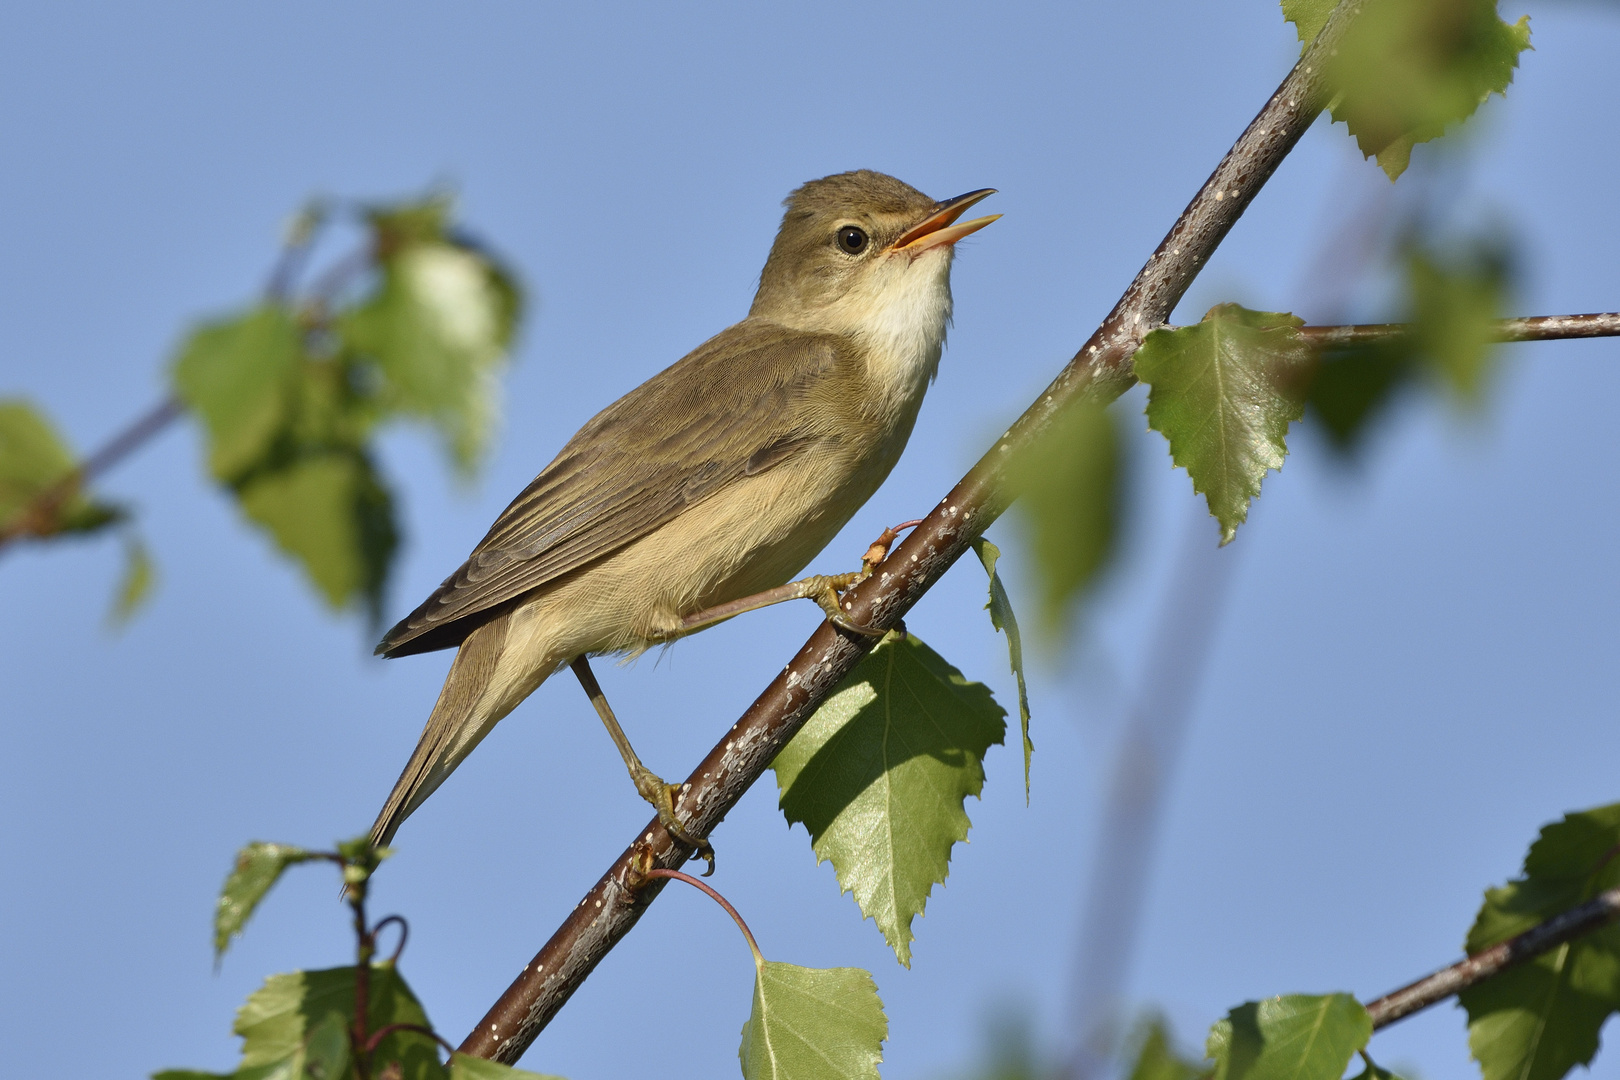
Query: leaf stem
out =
(753, 946)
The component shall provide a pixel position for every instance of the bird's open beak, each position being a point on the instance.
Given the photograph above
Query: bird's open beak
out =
(937, 229)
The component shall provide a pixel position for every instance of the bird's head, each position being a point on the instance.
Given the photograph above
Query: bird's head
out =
(862, 249)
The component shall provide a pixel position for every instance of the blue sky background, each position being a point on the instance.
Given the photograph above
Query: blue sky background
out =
(1414, 672)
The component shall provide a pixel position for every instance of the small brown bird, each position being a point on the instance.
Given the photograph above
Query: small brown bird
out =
(684, 502)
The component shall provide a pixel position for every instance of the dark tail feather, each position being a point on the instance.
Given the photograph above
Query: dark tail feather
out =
(459, 721)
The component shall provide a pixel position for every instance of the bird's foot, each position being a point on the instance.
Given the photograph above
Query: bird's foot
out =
(662, 796)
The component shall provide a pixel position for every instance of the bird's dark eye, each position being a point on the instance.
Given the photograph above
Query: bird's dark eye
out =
(852, 239)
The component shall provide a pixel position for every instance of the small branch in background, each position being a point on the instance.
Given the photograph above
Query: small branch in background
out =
(39, 516)
(1128, 828)
(1593, 915)
(1535, 328)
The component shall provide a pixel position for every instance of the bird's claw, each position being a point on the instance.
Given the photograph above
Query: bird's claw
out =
(662, 797)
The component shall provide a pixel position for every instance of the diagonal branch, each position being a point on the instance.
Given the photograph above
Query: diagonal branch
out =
(1099, 371)
(1593, 915)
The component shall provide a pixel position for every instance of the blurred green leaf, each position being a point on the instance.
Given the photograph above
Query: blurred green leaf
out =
(237, 375)
(331, 513)
(34, 458)
(1406, 70)
(1224, 391)
(813, 1024)
(1002, 618)
(879, 775)
(1456, 298)
(280, 1017)
(1070, 484)
(1455, 293)
(1293, 1037)
(136, 583)
(463, 1067)
(322, 1055)
(1156, 1057)
(258, 867)
(1538, 1020)
(1354, 386)
(437, 326)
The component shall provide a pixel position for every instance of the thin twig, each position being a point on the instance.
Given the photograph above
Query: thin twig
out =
(1576, 922)
(1100, 371)
(1536, 328)
(713, 894)
(38, 517)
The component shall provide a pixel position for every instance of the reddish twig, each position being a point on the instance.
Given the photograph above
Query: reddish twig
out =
(1100, 371)
(714, 894)
(1576, 922)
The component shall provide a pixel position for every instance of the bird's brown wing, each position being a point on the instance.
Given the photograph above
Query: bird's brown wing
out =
(726, 410)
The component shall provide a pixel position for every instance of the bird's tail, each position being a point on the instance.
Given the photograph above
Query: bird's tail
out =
(468, 707)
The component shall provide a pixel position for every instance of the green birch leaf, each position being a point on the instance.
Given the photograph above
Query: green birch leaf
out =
(1293, 1037)
(258, 867)
(331, 513)
(813, 1024)
(1223, 392)
(1373, 1071)
(280, 1017)
(879, 775)
(1308, 16)
(1406, 70)
(1002, 618)
(1156, 1057)
(1070, 486)
(1354, 386)
(136, 583)
(1538, 1020)
(238, 376)
(34, 458)
(1456, 299)
(322, 1055)
(463, 1067)
(438, 325)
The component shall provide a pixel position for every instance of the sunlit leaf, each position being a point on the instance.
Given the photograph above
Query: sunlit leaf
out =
(1293, 1037)
(1002, 618)
(1406, 70)
(879, 775)
(437, 326)
(1070, 485)
(330, 512)
(1371, 1070)
(1538, 1020)
(238, 375)
(34, 458)
(463, 1067)
(258, 867)
(1224, 391)
(813, 1024)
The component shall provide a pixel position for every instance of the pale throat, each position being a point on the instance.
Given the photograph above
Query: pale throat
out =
(900, 309)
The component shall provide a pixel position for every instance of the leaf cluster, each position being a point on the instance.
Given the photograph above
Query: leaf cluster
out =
(292, 391)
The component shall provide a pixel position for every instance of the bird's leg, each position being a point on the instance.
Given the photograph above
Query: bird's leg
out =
(648, 783)
(824, 590)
